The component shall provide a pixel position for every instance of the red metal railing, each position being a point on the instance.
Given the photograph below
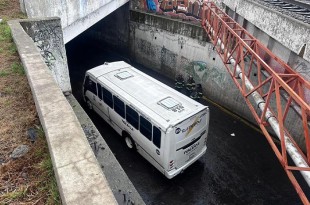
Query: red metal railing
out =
(276, 95)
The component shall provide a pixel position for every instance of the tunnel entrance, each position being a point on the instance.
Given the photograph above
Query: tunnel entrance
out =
(239, 166)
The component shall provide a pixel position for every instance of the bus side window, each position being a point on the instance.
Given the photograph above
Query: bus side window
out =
(119, 106)
(107, 97)
(132, 117)
(145, 128)
(99, 91)
(156, 136)
(91, 86)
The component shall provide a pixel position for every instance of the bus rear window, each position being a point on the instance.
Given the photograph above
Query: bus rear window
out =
(156, 136)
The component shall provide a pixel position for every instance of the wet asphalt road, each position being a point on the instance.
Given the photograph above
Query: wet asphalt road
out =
(240, 169)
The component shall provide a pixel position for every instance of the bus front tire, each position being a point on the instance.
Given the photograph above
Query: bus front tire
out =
(130, 143)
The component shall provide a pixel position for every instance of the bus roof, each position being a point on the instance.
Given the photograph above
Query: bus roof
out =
(157, 101)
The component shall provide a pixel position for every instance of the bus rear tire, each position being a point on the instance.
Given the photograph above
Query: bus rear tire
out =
(130, 143)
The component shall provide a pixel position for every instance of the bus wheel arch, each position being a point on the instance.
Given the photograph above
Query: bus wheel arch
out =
(130, 143)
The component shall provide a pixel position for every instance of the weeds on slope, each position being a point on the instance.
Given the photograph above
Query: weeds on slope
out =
(28, 179)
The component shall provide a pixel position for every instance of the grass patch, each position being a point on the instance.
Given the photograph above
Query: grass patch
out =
(4, 73)
(5, 32)
(3, 4)
(13, 49)
(54, 197)
(41, 186)
(8, 90)
(18, 68)
(17, 194)
(50, 184)
(29, 179)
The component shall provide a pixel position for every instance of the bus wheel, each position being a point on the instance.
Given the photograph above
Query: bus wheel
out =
(89, 104)
(129, 142)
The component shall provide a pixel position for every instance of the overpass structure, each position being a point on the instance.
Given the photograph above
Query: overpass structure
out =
(76, 16)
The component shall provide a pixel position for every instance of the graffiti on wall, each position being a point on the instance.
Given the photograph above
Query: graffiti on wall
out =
(168, 58)
(146, 47)
(47, 39)
(203, 72)
(184, 9)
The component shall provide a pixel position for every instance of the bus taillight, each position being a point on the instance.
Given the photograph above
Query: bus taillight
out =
(171, 165)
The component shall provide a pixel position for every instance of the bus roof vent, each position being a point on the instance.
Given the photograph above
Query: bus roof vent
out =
(171, 104)
(123, 75)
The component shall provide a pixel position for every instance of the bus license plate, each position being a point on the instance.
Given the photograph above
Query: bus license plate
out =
(191, 156)
(189, 150)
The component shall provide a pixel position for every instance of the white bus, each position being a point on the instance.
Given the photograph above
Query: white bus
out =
(166, 127)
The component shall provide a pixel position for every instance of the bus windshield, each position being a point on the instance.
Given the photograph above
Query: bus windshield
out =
(190, 126)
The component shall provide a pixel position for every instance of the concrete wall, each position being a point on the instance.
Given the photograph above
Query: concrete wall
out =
(47, 36)
(295, 61)
(291, 33)
(171, 46)
(76, 16)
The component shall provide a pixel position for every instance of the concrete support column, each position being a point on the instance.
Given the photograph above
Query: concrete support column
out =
(22, 6)
(48, 37)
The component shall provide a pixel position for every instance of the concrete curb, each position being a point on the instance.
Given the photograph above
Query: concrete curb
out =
(79, 177)
(121, 186)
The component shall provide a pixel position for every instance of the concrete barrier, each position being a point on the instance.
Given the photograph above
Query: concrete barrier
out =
(79, 177)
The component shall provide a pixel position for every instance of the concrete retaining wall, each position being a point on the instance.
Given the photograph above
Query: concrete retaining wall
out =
(172, 46)
(287, 54)
(289, 32)
(47, 36)
(79, 177)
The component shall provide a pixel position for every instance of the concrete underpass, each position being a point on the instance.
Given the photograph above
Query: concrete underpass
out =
(240, 169)
(239, 166)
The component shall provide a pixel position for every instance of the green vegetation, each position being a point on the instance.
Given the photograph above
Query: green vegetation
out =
(29, 179)
(3, 73)
(5, 32)
(18, 68)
